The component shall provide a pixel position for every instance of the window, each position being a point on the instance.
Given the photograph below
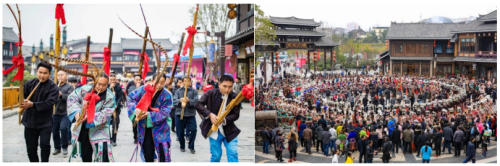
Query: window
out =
(467, 45)
(438, 49)
(398, 48)
(451, 49)
(411, 49)
(424, 49)
(11, 53)
(5, 52)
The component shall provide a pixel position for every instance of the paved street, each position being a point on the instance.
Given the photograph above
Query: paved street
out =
(14, 147)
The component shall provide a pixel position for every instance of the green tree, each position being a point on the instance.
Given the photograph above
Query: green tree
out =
(8, 81)
(382, 37)
(264, 29)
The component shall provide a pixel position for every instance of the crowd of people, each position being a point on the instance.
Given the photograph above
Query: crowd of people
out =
(340, 113)
(53, 109)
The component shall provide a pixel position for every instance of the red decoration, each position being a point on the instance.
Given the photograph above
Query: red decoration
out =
(248, 92)
(107, 60)
(17, 62)
(84, 78)
(434, 43)
(60, 13)
(176, 58)
(19, 43)
(146, 65)
(145, 101)
(191, 31)
(92, 98)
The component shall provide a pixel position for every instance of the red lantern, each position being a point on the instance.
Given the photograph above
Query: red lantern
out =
(434, 43)
(448, 44)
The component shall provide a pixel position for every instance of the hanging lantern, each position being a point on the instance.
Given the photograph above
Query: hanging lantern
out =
(231, 14)
(448, 44)
(434, 43)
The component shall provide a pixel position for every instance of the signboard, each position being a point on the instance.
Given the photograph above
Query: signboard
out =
(211, 51)
(299, 62)
(296, 45)
(229, 50)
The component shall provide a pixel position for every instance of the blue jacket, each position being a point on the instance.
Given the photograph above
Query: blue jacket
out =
(471, 150)
(426, 155)
(302, 127)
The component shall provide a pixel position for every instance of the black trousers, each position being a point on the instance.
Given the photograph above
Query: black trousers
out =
(113, 135)
(385, 158)
(60, 131)
(293, 153)
(32, 136)
(319, 144)
(396, 147)
(418, 149)
(458, 148)
(301, 141)
(361, 155)
(437, 146)
(172, 114)
(148, 147)
(87, 150)
(279, 155)
(134, 129)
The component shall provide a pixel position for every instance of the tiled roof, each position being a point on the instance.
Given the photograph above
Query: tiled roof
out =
(99, 47)
(478, 25)
(287, 32)
(9, 35)
(136, 43)
(421, 31)
(241, 34)
(294, 21)
(383, 55)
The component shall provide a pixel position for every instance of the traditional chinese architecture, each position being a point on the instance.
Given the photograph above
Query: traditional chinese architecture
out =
(243, 42)
(298, 33)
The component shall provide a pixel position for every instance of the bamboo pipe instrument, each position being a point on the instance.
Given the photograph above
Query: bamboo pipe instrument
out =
(174, 68)
(223, 115)
(143, 51)
(191, 51)
(21, 110)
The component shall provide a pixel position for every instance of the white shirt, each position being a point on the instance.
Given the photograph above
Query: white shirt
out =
(220, 129)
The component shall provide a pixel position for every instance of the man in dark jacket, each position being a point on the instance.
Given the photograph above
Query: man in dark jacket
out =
(438, 137)
(37, 117)
(61, 120)
(264, 133)
(118, 92)
(386, 150)
(369, 152)
(471, 151)
(322, 122)
(307, 135)
(421, 140)
(448, 136)
(208, 106)
(362, 145)
(188, 123)
(458, 137)
(326, 140)
(396, 139)
(319, 138)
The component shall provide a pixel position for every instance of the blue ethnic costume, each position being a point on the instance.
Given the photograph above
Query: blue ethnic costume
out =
(98, 132)
(155, 123)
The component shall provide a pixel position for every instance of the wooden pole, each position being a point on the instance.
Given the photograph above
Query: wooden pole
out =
(191, 51)
(143, 51)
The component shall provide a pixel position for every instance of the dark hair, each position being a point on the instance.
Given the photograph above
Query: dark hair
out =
(44, 65)
(226, 78)
(138, 75)
(427, 147)
(163, 75)
(103, 75)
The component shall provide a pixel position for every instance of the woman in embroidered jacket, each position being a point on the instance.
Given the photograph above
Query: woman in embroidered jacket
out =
(153, 130)
(97, 132)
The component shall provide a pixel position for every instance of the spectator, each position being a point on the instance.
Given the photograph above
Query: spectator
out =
(426, 152)
(292, 147)
(471, 151)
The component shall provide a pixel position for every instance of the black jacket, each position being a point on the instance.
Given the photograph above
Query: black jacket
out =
(422, 138)
(62, 100)
(322, 122)
(119, 95)
(448, 134)
(210, 102)
(438, 137)
(369, 153)
(396, 135)
(265, 135)
(44, 98)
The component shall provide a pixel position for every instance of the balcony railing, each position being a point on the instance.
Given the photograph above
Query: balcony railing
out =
(486, 54)
(10, 97)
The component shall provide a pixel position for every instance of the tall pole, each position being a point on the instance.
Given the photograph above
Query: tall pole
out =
(222, 48)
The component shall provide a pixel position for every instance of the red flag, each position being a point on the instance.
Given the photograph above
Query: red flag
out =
(60, 13)
(191, 31)
(17, 62)
(107, 60)
(145, 101)
(146, 65)
(92, 98)
(84, 78)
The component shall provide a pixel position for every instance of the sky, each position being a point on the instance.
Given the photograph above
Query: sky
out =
(377, 13)
(94, 20)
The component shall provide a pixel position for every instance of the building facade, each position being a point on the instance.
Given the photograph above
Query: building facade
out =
(243, 43)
